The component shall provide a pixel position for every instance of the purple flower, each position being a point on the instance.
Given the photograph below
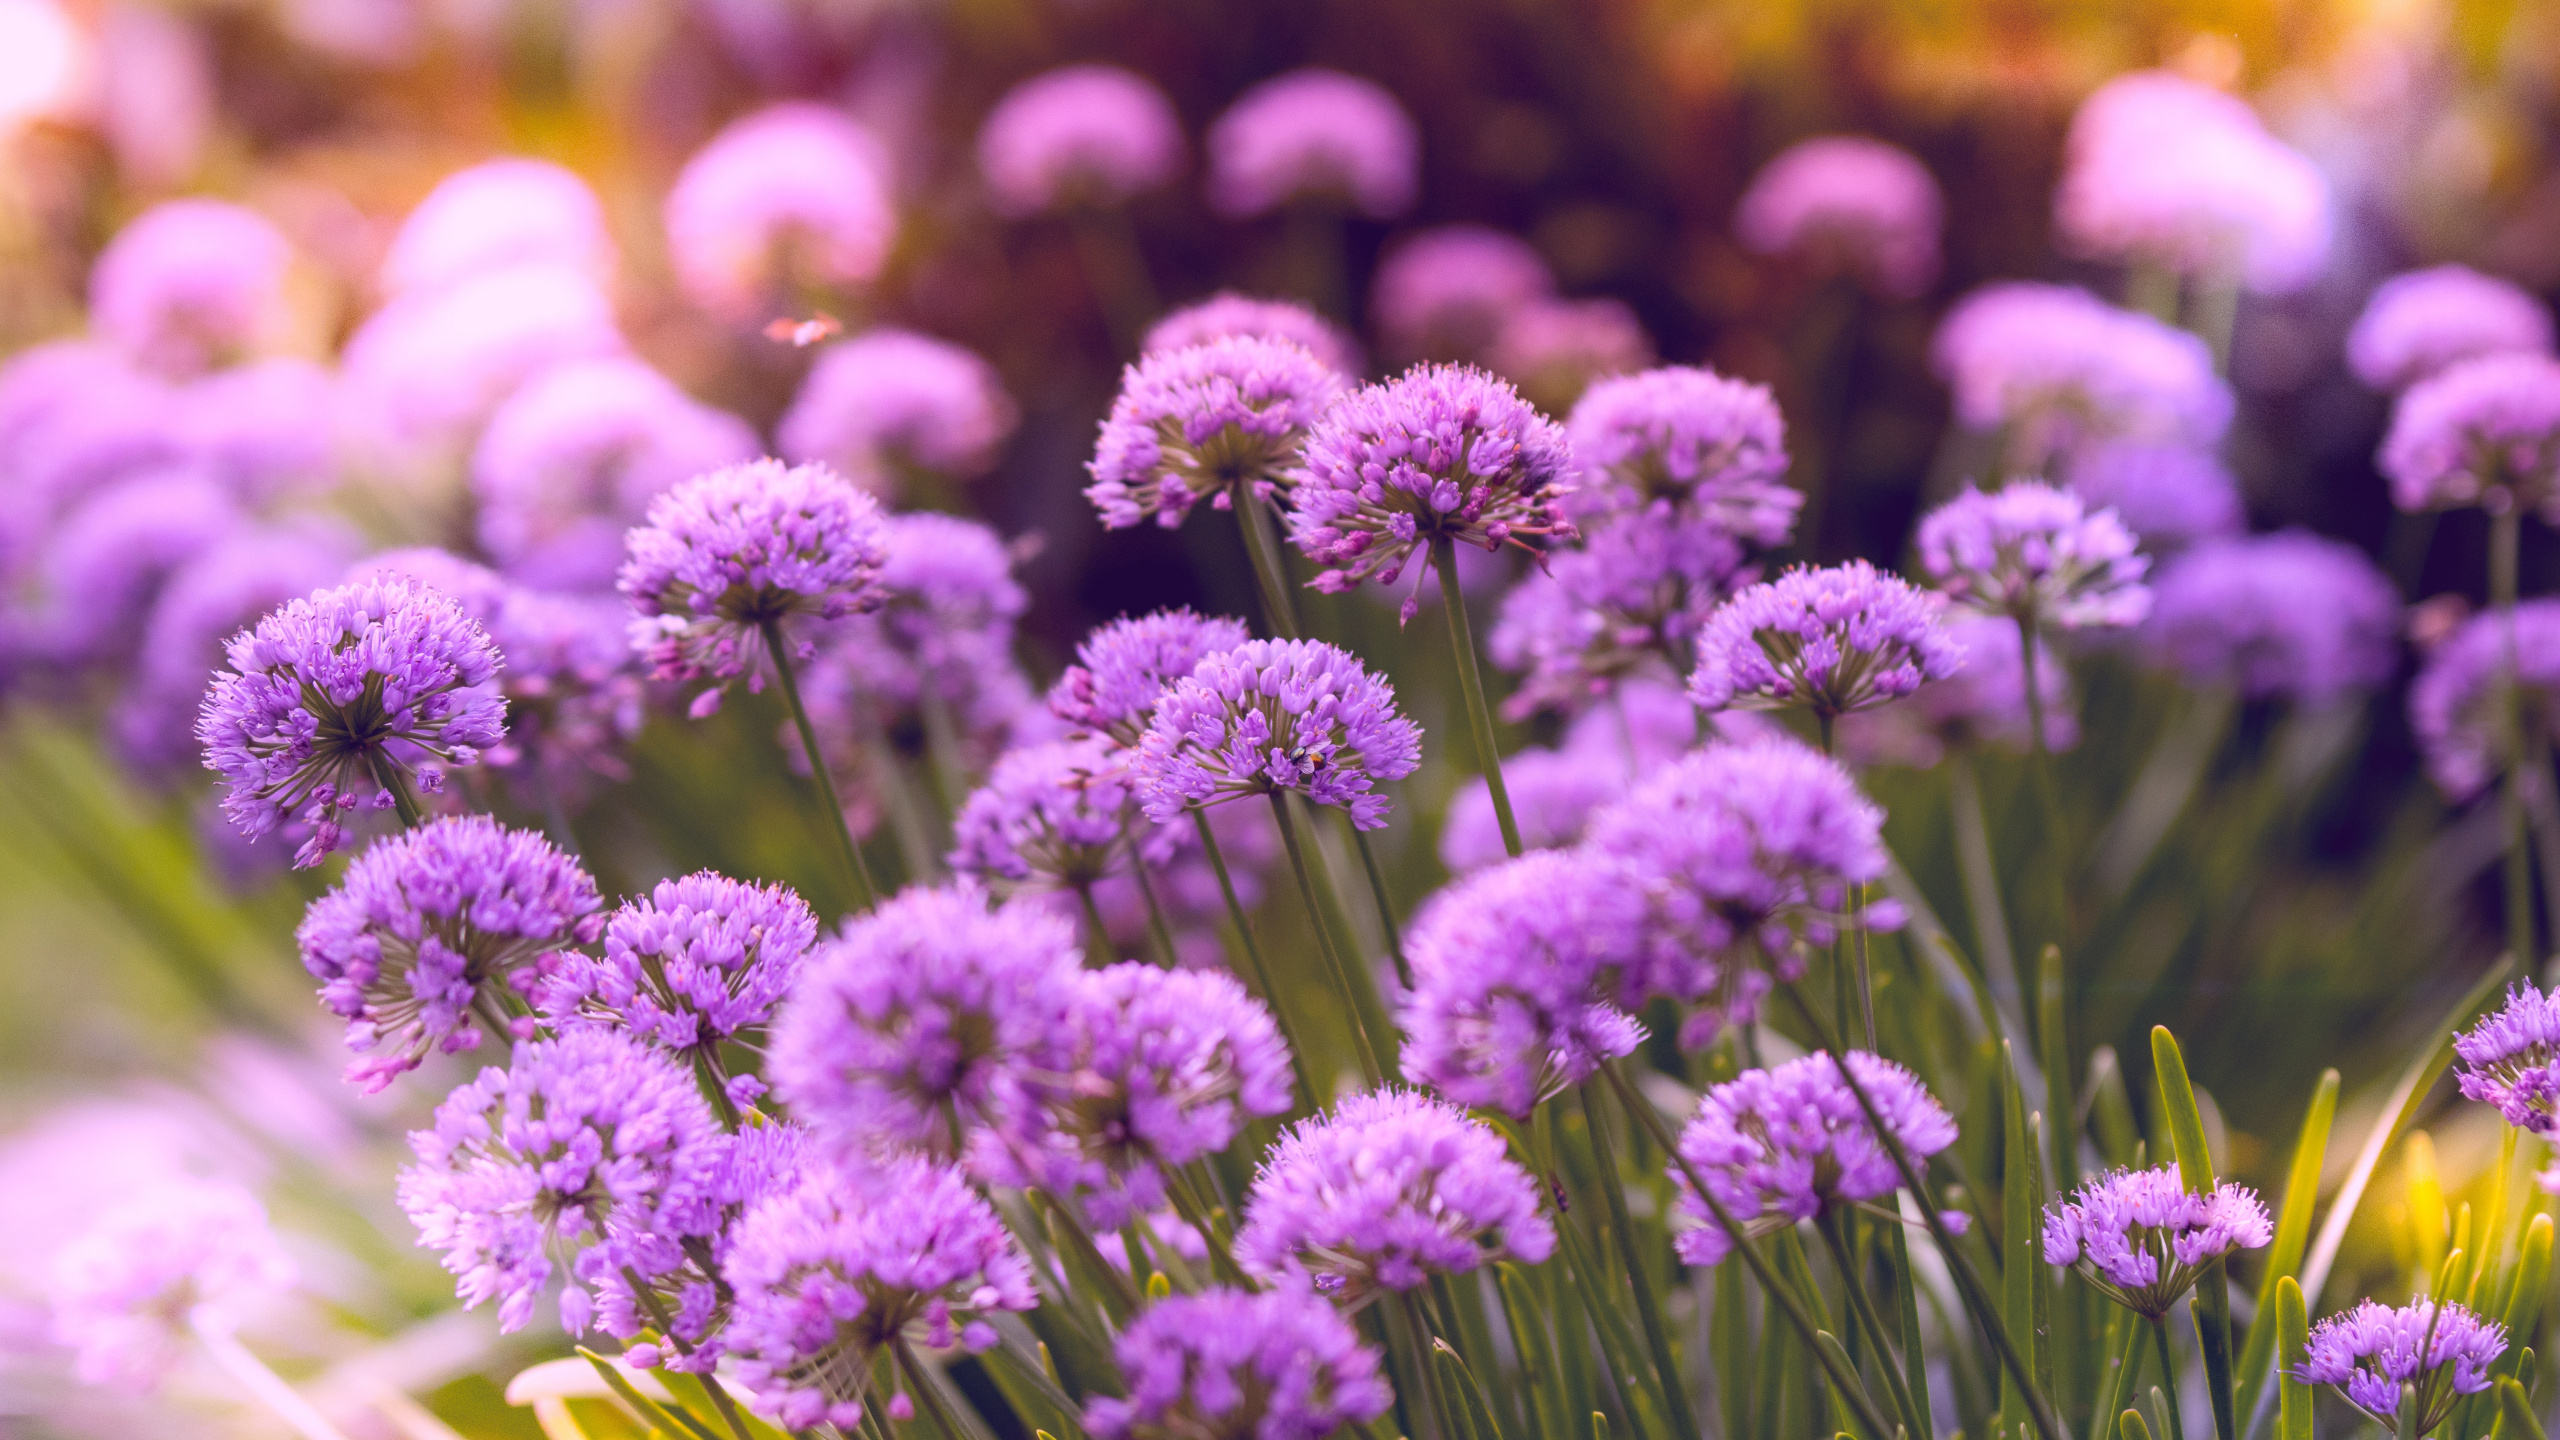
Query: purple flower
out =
(1689, 439)
(697, 961)
(435, 928)
(192, 1253)
(497, 214)
(1273, 715)
(1055, 816)
(573, 692)
(1553, 795)
(1078, 135)
(2168, 495)
(1554, 350)
(2422, 322)
(1778, 1146)
(1123, 668)
(2057, 369)
(2141, 1237)
(1439, 452)
(1390, 1189)
(1518, 971)
(571, 461)
(2481, 432)
(191, 284)
(682, 1302)
(726, 554)
(1281, 1365)
(1314, 133)
(250, 427)
(2371, 1351)
(1161, 1068)
(852, 1261)
(1228, 313)
(1831, 640)
(2511, 1059)
(921, 1016)
(2290, 616)
(424, 372)
(1628, 601)
(583, 1143)
(2457, 708)
(1848, 203)
(2038, 554)
(1983, 703)
(104, 564)
(888, 400)
(332, 699)
(1203, 424)
(1444, 294)
(795, 184)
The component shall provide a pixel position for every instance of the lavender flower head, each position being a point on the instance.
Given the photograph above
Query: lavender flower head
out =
(1628, 602)
(2169, 496)
(2141, 1237)
(2289, 616)
(1441, 452)
(675, 1316)
(1850, 204)
(1123, 668)
(1204, 424)
(1690, 440)
(190, 284)
(1228, 313)
(424, 372)
(500, 213)
(2511, 1059)
(1518, 971)
(1274, 715)
(124, 1293)
(333, 700)
(1314, 133)
(1444, 294)
(1554, 793)
(2482, 432)
(922, 1015)
(1078, 135)
(795, 191)
(1054, 816)
(697, 961)
(726, 555)
(1779, 1146)
(2373, 1350)
(2457, 708)
(1831, 640)
(1390, 1189)
(1279, 1365)
(2420, 323)
(109, 555)
(432, 929)
(2037, 554)
(890, 399)
(555, 1162)
(2059, 369)
(853, 1261)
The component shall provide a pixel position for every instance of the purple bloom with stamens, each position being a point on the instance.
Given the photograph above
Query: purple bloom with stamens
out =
(1228, 313)
(1204, 424)
(190, 284)
(1274, 715)
(1439, 452)
(1555, 350)
(2456, 706)
(2058, 368)
(1554, 794)
(1279, 1365)
(2420, 323)
(331, 700)
(2291, 616)
(1123, 668)
(2037, 554)
(893, 398)
(1078, 135)
(1390, 1189)
(1055, 816)
(1444, 294)
(1629, 601)
(1314, 133)
(2168, 495)
(493, 215)
(2141, 1237)
(795, 191)
(124, 1293)
(1848, 203)
(698, 960)
(2373, 1350)
(1779, 1146)
(433, 930)
(677, 1257)
(2511, 1059)
(2482, 432)
(1706, 445)
(1831, 640)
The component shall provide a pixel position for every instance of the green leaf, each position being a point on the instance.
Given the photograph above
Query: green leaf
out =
(674, 1422)
(1829, 1344)
(2021, 1267)
(2515, 1412)
(2130, 1426)
(1537, 1360)
(2293, 1230)
(697, 1399)
(1906, 1294)
(1460, 1381)
(2292, 1332)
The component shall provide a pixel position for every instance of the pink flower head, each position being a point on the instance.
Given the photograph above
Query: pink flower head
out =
(2038, 554)
(191, 284)
(1845, 202)
(1078, 135)
(1554, 350)
(497, 214)
(2482, 432)
(889, 400)
(2423, 321)
(1444, 293)
(2059, 369)
(1314, 132)
(793, 192)
(1229, 313)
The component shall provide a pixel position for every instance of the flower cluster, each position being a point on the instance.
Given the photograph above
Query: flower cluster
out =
(795, 191)
(2289, 615)
(697, 961)
(2482, 432)
(1629, 600)
(1848, 203)
(1229, 313)
(1697, 442)
(1443, 294)
(1055, 816)
(2142, 1237)
(1831, 641)
(2511, 1059)
(2037, 554)
(2057, 369)
(1314, 134)
(2420, 323)
(196, 1253)
(1080, 135)
(1206, 423)
(890, 400)
(1123, 668)
(1274, 715)
(2458, 705)
(2370, 1353)
(1279, 1365)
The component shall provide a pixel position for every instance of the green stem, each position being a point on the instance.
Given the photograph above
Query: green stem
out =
(2049, 799)
(1167, 954)
(1862, 1313)
(2168, 1376)
(1334, 964)
(1103, 948)
(1444, 558)
(1386, 907)
(1262, 548)
(1981, 876)
(1187, 1205)
(864, 895)
(2119, 1384)
(923, 1385)
(1648, 1314)
(1253, 956)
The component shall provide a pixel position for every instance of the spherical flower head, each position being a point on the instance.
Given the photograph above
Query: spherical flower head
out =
(852, 1261)
(1078, 135)
(2422, 322)
(1554, 350)
(2373, 1350)
(1274, 715)
(1830, 640)
(1123, 668)
(559, 1161)
(1279, 1365)
(2058, 369)
(1777, 1146)
(699, 960)
(2037, 554)
(1228, 313)
(2142, 1237)
(1983, 703)
(666, 1299)
(888, 399)
(124, 1294)
(1848, 204)
(922, 1015)
(2511, 1059)
(2457, 706)
(107, 559)
(2482, 432)
(795, 191)
(1390, 1189)
(1163, 1067)
(1444, 294)
(430, 929)
(190, 284)
(338, 697)
(2290, 616)
(1441, 452)
(1689, 440)
(503, 212)
(1627, 602)
(1314, 134)
(1053, 816)
(2169, 496)
(1553, 796)
(423, 373)
(1203, 424)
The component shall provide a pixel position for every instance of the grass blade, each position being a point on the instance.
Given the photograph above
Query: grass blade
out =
(2195, 1171)
(2021, 1264)
(2292, 1332)
(2293, 1231)
(2515, 1412)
